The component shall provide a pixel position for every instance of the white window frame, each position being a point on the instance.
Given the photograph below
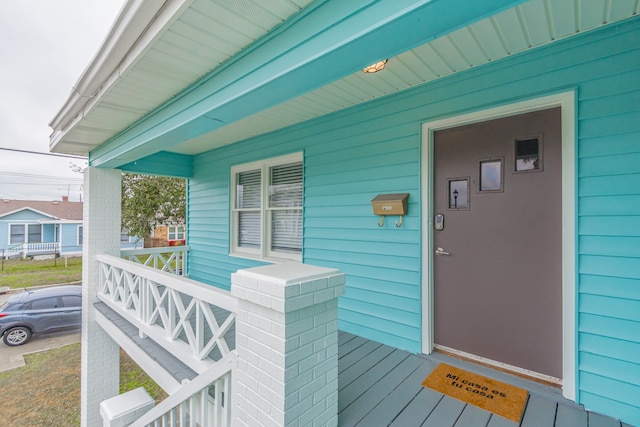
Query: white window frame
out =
(27, 226)
(176, 232)
(78, 241)
(265, 252)
(25, 235)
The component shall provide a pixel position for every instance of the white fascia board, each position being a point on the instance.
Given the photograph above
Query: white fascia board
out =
(137, 25)
(27, 208)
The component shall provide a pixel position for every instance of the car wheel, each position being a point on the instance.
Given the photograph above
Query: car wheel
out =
(17, 336)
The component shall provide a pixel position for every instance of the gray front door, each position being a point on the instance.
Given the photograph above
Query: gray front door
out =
(498, 261)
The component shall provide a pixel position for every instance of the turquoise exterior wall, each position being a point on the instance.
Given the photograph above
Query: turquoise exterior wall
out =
(353, 155)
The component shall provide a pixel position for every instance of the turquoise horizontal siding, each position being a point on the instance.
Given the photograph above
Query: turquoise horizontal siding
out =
(618, 370)
(619, 246)
(613, 307)
(625, 143)
(352, 155)
(620, 392)
(623, 411)
(610, 266)
(610, 225)
(609, 233)
(616, 287)
(625, 330)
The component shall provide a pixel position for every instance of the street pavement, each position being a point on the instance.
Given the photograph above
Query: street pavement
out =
(13, 357)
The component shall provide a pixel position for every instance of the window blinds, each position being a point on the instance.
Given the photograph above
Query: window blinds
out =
(268, 209)
(35, 233)
(248, 201)
(285, 204)
(17, 234)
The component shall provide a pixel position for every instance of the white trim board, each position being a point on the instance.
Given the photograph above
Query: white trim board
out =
(566, 101)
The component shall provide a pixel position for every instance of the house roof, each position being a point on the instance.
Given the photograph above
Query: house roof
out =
(62, 210)
(187, 76)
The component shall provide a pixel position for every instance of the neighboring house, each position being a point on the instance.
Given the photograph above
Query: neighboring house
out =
(35, 227)
(513, 126)
(167, 235)
(130, 242)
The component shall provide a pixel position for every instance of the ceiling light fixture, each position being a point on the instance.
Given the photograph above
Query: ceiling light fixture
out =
(374, 68)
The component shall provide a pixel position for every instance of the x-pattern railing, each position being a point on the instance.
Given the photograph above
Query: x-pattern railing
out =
(171, 259)
(193, 321)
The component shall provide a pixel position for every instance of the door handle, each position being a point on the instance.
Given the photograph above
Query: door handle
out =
(440, 251)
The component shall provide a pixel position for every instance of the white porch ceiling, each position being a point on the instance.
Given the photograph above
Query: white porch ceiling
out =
(168, 67)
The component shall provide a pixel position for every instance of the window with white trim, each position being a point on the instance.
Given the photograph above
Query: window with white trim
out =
(175, 232)
(25, 233)
(80, 235)
(16, 233)
(34, 233)
(266, 208)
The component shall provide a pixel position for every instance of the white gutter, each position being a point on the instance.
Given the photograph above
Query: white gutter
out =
(137, 24)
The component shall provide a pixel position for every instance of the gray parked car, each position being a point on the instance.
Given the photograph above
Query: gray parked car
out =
(40, 311)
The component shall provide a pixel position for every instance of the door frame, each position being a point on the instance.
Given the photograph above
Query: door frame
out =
(566, 101)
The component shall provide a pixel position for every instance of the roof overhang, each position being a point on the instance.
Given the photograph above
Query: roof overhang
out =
(183, 77)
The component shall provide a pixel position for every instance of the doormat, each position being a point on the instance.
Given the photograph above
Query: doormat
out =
(494, 396)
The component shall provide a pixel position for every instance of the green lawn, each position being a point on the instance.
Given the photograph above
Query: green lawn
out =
(46, 392)
(26, 273)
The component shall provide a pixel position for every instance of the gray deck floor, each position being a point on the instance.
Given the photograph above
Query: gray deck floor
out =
(382, 386)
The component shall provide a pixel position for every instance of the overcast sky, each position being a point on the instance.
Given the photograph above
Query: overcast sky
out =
(45, 45)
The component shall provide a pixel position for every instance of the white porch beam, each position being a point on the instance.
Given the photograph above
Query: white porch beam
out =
(329, 42)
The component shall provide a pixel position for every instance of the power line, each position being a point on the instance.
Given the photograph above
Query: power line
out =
(78, 184)
(71, 156)
(32, 175)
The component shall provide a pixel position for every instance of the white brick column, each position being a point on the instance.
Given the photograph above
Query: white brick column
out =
(287, 344)
(100, 377)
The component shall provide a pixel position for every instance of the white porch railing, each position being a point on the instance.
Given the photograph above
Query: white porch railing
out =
(26, 249)
(286, 319)
(172, 259)
(192, 321)
(205, 401)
